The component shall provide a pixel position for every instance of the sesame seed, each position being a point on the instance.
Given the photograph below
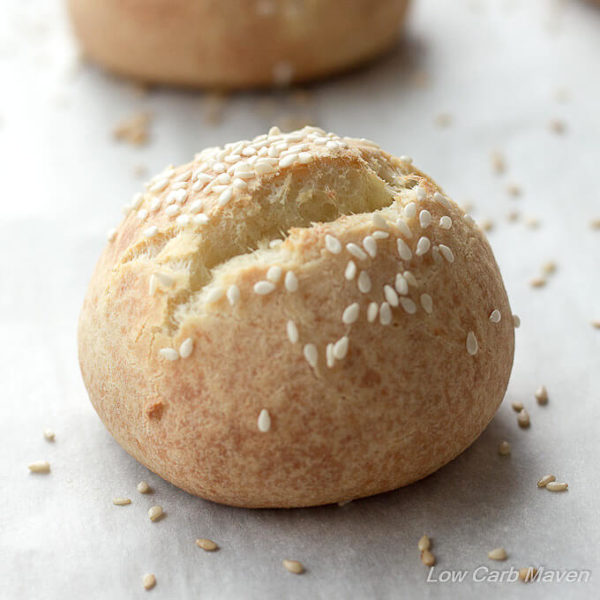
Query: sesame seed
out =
(472, 345)
(497, 554)
(596, 324)
(380, 235)
(340, 348)
(151, 231)
(545, 480)
(169, 353)
(201, 219)
(293, 566)
(143, 488)
(233, 294)
(523, 419)
(333, 244)
(541, 395)
(274, 131)
(408, 305)
(172, 210)
(148, 581)
(527, 574)
(288, 161)
(447, 253)
(136, 201)
(379, 221)
(423, 246)
(385, 314)
(152, 284)
(410, 210)
(49, 435)
(121, 501)
(549, 267)
(427, 558)
(424, 543)
(263, 168)
(517, 406)
(264, 421)
(410, 278)
(111, 234)
(372, 311)
(504, 448)
(370, 245)
(186, 348)
(516, 321)
(427, 303)
(159, 185)
(350, 272)
(40, 466)
(218, 167)
(405, 159)
(223, 179)
(438, 197)
(311, 355)
(274, 274)
(356, 251)
(401, 284)
(555, 486)
(537, 282)
(214, 295)
(155, 513)
(262, 288)
(225, 196)
(239, 184)
(142, 214)
(179, 196)
(391, 297)
(364, 282)
(425, 219)
(206, 544)
(403, 249)
(404, 229)
(305, 157)
(292, 332)
(420, 193)
(330, 358)
(495, 316)
(291, 281)
(445, 222)
(350, 314)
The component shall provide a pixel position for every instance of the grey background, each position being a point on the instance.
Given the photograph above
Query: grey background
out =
(495, 66)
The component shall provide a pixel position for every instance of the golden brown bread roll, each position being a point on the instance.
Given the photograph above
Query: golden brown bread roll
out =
(295, 320)
(234, 43)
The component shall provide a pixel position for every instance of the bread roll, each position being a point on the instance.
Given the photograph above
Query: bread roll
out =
(295, 320)
(234, 43)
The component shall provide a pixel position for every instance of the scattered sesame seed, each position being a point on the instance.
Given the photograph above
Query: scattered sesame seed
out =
(497, 554)
(136, 201)
(438, 197)
(596, 324)
(288, 161)
(385, 314)
(380, 235)
(517, 406)
(121, 501)
(410, 278)
(40, 466)
(504, 448)
(305, 158)
(408, 305)
(340, 348)
(498, 162)
(364, 282)
(446, 253)
(555, 486)
(172, 210)
(293, 566)
(404, 229)
(356, 251)
(351, 312)
(557, 126)
(214, 294)
(151, 231)
(549, 267)
(538, 282)
(516, 321)
(545, 480)
(372, 311)
(445, 222)
(291, 281)
(486, 225)
(274, 131)
(49, 435)
(111, 234)
(370, 245)
(292, 332)
(155, 513)
(424, 543)
(423, 246)
(523, 419)
(200, 219)
(427, 558)
(311, 355)
(143, 487)
(427, 303)
(350, 272)
(595, 223)
(152, 284)
(541, 395)
(527, 574)
(403, 249)
(330, 358)
(425, 219)
(142, 214)
(206, 544)
(472, 345)
(401, 284)
(332, 244)
(262, 288)
(495, 316)
(225, 196)
(169, 353)
(148, 581)
(186, 348)
(233, 294)
(391, 297)
(264, 420)
(274, 274)
(410, 210)
(513, 190)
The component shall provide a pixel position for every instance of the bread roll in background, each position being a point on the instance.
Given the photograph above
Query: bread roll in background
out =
(234, 43)
(295, 320)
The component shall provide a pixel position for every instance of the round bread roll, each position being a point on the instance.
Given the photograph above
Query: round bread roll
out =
(234, 43)
(295, 320)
